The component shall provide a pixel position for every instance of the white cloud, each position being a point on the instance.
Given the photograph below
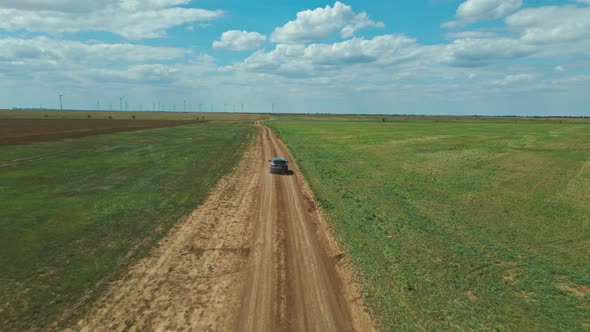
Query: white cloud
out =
(240, 40)
(42, 48)
(57, 62)
(160, 75)
(387, 53)
(135, 74)
(472, 11)
(133, 19)
(381, 49)
(321, 23)
(552, 24)
(514, 79)
(300, 72)
(74, 6)
(473, 52)
(301, 60)
(284, 59)
(470, 34)
(399, 56)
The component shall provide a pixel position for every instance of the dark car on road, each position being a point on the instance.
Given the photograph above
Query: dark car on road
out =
(279, 165)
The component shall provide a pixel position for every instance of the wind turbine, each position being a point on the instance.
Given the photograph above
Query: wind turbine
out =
(60, 102)
(121, 103)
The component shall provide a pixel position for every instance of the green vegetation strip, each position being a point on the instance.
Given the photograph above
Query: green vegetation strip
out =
(73, 212)
(472, 226)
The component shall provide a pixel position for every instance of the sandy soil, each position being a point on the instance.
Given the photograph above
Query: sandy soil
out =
(256, 256)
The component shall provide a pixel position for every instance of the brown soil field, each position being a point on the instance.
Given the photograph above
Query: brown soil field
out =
(128, 115)
(255, 256)
(27, 131)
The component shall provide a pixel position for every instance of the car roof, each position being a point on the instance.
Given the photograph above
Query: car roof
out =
(279, 159)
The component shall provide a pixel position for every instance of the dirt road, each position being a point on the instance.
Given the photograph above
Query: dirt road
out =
(256, 256)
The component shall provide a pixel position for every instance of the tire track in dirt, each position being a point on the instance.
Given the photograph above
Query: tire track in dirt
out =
(313, 291)
(256, 256)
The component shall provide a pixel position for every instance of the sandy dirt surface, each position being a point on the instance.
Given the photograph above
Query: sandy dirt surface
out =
(256, 256)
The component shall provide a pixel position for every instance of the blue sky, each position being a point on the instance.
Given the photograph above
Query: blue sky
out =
(490, 57)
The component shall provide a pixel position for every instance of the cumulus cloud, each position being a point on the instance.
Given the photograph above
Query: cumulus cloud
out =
(301, 65)
(476, 52)
(386, 52)
(74, 6)
(239, 40)
(381, 49)
(472, 11)
(538, 32)
(552, 24)
(301, 60)
(181, 75)
(321, 23)
(132, 19)
(137, 74)
(80, 65)
(49, 60)
(42, 48)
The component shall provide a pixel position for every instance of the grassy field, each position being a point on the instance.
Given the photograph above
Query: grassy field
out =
(426, 118)
(77, 211)
(473, 226)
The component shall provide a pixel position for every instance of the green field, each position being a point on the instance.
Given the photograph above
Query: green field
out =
(78, 211)
(473, 226)
(427, 118)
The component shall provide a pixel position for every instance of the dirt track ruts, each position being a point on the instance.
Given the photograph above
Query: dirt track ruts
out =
(255, 256)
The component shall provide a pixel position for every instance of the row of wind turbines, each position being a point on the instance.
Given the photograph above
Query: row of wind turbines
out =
(122, 101)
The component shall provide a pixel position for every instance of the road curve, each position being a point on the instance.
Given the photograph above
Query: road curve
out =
(255, 256)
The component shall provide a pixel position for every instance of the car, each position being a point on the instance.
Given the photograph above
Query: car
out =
(279, 165)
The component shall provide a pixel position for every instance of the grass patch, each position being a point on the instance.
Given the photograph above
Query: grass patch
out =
(73, 212)
(473, 226)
